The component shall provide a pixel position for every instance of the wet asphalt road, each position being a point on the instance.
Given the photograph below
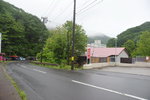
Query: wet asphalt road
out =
(49, 84)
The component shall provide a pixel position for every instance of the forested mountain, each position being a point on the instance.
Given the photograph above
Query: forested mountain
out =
(132, 33)
(136, 40)
(104, 39)
(22, 33)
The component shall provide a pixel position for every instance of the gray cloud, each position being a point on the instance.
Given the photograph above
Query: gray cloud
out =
(110, 17)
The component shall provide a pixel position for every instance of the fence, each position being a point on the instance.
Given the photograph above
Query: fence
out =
(140, 59)
(126, 60)
(134, 60)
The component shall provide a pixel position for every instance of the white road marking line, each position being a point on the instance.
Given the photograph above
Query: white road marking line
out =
(112, 91)
(33, 69)
(23, 66)
(39, 71)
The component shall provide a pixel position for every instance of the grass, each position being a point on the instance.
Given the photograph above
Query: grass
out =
(20, 92)
(5, 62)
(64, 67)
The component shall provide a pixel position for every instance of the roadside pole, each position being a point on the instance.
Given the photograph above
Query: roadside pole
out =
(73, 34)
(88, 55)
(116, 52)
(44, 20)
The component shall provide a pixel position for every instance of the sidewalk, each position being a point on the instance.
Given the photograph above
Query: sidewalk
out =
(129, 70)
(7, 91)
(103, 65)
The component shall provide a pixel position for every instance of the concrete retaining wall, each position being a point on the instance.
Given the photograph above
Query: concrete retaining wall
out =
(102, 65)
(97, 65)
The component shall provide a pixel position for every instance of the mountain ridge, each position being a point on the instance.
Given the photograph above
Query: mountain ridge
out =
(133, 33)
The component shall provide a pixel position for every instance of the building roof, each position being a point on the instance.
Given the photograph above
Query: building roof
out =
(105, 52)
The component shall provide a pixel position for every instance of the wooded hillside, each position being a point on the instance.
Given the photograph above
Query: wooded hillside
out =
(132, 33)
(22, 33)
(136, 40)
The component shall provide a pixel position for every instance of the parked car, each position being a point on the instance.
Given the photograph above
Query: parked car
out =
(14, 57)
(22, 59)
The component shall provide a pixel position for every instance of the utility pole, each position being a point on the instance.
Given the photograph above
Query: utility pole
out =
(116, 52)
(73, 34)
(44, 20)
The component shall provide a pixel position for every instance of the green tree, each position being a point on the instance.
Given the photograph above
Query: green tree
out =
(11, 33)
(132, 33)
(22, 34)
(143, 46)
(130, 46)
(56, 46)
(111, 42)
(59, 44)
(80, 40)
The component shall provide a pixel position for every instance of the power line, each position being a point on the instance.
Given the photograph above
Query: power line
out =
(70, 16)
(64, 10)
(48, 7)
(84, 10)
(67, 9)
(67, 15)
(83, 17)
(52, 7)
(86, 6)
(85, 3)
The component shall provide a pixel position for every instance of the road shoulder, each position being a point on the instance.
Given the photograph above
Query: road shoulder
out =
(128, 70)
(7, 90)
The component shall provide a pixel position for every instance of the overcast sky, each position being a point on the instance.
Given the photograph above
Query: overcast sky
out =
(110, 17)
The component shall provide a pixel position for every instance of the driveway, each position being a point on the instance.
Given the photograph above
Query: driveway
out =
(129, 70)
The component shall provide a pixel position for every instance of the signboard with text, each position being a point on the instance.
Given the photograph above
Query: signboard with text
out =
(88, 53)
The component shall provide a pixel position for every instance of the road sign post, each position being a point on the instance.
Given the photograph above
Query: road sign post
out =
(88, 55)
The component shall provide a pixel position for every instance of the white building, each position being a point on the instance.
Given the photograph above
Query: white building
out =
(97, 44)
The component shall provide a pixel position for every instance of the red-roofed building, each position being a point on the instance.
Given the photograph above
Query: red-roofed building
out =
(99, 55)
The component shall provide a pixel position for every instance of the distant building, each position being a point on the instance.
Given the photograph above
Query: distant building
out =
(97, 44)
(99, 55)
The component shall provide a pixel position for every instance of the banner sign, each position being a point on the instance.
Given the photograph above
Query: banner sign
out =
(88, 53)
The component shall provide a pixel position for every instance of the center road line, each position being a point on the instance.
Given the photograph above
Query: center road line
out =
(23, 66)
(112, 91)
(39, 71)
(33, 69)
